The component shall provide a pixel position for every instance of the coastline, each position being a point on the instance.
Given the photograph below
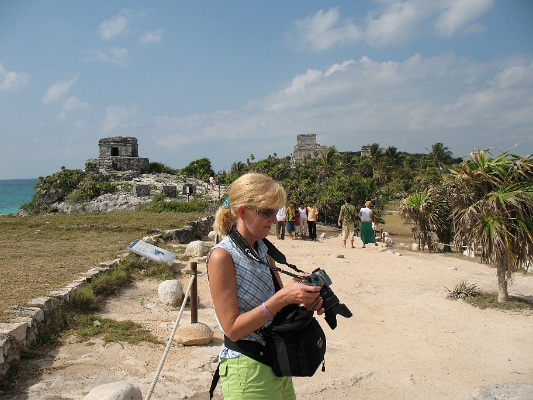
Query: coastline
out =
(14, 193)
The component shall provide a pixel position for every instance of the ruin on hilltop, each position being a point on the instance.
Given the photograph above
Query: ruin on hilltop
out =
(306, 145)
(118, 153)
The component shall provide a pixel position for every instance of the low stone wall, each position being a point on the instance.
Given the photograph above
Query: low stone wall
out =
(30, 320)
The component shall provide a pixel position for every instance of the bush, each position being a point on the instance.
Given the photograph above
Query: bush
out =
(160, 168)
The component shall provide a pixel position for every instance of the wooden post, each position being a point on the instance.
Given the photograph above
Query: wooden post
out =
(194, 293)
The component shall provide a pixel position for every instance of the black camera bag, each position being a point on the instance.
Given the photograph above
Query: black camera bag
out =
(295, 342)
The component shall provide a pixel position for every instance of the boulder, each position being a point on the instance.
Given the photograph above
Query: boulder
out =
(196, 249)
(115, 391)
(170, 292)
(197, 334)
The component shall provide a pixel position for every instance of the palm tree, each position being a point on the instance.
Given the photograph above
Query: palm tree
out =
(415, 209)
(376, 153)
(440, 156)
(327, 163)
(493, 211)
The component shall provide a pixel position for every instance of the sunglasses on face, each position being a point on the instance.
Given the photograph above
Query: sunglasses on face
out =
(266, 213)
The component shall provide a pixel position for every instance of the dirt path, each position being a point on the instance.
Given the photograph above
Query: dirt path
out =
(406, 340)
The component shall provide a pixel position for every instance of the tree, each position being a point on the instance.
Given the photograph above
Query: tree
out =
(493, 211)
(327, 163)
(200, 169)
(439, 156)
(376, 153)
(416, 208)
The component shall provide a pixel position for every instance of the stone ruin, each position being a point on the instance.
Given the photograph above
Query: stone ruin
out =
(307, 145)
(118, 153)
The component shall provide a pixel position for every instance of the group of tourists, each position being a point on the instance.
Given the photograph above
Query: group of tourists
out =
(297, 223)
(301, 222)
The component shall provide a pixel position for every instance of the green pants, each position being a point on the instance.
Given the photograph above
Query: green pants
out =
(243, 378)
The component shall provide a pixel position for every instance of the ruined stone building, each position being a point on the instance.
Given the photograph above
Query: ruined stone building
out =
(307, 145)
(118, 153)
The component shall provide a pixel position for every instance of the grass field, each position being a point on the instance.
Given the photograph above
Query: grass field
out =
(44, 253)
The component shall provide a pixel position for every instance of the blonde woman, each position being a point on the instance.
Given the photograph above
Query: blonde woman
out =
(367, 232)
(243, 289)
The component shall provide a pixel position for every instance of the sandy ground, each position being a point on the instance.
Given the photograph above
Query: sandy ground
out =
(406, 340)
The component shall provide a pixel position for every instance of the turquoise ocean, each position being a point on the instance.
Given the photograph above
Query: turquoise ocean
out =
(14, 193)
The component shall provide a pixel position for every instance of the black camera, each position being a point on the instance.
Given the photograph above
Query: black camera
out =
(331, 301)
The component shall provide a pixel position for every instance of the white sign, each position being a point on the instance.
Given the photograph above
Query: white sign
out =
(152, 252)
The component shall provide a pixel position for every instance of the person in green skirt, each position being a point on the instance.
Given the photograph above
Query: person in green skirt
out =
(367, 232)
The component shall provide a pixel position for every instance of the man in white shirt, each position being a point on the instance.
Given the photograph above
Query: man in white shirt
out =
(281, 216)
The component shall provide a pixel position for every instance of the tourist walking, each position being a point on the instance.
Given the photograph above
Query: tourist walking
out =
(347, 217)
(312, 219)
(280, 225)
(242, 287)
(303, 220)
(367, 232)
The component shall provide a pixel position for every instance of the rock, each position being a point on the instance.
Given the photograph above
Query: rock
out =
(414, 246)
(170, 292)
(193, 334)
(195, 249)
(212, 236)
(507, 391)
(115, 391)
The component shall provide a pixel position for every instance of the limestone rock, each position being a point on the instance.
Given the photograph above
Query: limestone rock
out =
(508, 391)
(170, 292)
(193, 334)
(115, 391)
(195, 249)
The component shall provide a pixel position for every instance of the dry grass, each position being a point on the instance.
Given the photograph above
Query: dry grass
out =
(399, 231)
(44, 253)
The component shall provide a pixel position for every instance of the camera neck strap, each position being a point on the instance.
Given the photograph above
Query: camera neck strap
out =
(273, 252)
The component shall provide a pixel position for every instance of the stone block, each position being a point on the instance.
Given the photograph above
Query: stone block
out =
(170, 191)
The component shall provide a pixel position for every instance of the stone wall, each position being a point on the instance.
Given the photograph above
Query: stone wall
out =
(118, 164)
(34, 318)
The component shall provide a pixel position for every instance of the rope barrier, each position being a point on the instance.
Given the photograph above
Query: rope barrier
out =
(171, 338)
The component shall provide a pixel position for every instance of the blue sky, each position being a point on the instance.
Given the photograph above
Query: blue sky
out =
(226, 79)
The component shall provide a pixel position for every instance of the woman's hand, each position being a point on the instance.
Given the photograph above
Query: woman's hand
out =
(295, 292)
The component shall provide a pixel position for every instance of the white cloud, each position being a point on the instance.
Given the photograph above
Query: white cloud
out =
(116, 55)
(302, 80)
(458, 13)
(397, 23)
(323, 31)
(117, 25)
(118, 117)
(338, 67)
(13, 81)
(516, 76)
(58, 90)
(410, 104)
(150, 37)
(74, 103)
